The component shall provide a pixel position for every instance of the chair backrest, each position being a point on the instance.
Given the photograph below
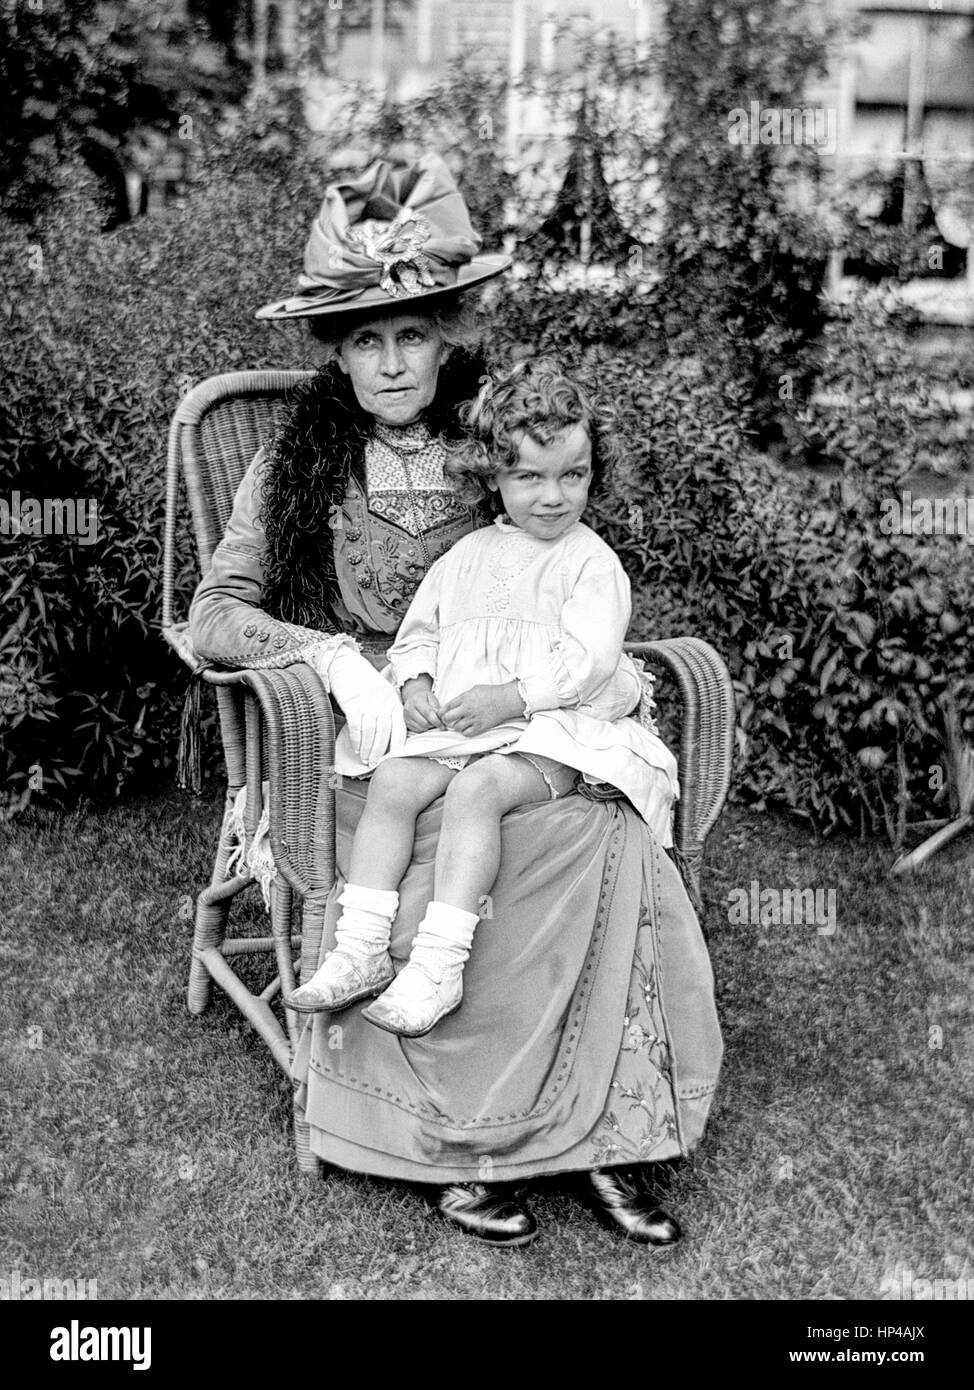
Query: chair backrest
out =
(216, 431)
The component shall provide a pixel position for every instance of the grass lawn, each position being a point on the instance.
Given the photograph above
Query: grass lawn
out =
(152, 1151)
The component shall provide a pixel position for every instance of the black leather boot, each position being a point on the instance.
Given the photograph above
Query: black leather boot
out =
(626, 1199)
(488, 1212)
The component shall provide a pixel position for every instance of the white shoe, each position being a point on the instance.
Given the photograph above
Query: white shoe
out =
(420, 996)
(343, 979)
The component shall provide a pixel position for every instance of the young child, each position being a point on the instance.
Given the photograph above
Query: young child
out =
(514, 685)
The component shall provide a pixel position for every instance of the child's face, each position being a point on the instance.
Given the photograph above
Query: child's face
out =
(545, 491)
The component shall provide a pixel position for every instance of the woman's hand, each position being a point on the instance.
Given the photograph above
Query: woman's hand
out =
(420, 706)
(369, 703)
(483, 707)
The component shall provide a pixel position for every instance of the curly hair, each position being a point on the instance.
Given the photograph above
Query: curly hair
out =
(534, 398)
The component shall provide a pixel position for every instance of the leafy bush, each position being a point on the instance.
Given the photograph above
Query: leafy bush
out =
(842, 640)
(745, 241)
(102, 336)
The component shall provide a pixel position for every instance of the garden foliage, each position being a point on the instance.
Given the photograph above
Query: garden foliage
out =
(842, 641)
(102, 335)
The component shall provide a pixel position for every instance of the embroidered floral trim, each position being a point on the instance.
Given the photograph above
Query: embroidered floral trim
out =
(509, 558)
(382, 553)
(640, 1115)
(302, 643)
(429, 509)
(379, 557)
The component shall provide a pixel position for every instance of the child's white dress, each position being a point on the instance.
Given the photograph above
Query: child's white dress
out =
(502, 605)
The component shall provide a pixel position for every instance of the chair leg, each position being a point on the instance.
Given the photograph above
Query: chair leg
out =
(199, 991)
(211, 930)
(282, 903)
(308, 1162)
(212, 912)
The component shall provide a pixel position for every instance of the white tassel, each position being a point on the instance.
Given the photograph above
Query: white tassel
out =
(256, 859)
(235, 830)
(260, 860)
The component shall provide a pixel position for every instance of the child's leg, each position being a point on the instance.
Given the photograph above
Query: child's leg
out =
(399, 790)
(469, 850)
(467, 861)
(360, 965)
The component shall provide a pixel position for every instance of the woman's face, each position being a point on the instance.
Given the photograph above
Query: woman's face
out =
(393, 364)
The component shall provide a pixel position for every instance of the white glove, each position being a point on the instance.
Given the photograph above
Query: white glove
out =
(370, 704)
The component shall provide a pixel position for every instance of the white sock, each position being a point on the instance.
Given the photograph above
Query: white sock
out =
(365, 925)
(445, 936)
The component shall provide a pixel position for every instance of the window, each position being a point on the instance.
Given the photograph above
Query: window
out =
(907, 140)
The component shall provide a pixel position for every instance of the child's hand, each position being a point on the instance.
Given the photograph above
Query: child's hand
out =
(482, 707)
(421, 712)
(420, 707)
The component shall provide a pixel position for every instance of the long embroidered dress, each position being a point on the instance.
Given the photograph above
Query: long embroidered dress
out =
(588, 1033)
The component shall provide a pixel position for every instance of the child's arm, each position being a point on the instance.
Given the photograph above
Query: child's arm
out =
(585, 659)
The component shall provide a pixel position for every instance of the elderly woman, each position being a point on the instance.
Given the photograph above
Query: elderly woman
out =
(588, 1042)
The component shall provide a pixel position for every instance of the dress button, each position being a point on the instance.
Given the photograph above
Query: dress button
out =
(262, 636)
(353, 533)
(250, 629)
(354, 557)
(280, 642)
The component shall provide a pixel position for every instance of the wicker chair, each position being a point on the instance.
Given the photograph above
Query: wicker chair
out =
(278, 729)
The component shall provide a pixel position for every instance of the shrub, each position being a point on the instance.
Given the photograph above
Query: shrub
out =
(842, 640)
(102, 336)
(744, 243)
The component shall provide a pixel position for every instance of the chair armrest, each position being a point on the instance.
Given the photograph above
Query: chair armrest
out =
(177, 636)
(287, 732)
(706, 737)
(292, 743)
